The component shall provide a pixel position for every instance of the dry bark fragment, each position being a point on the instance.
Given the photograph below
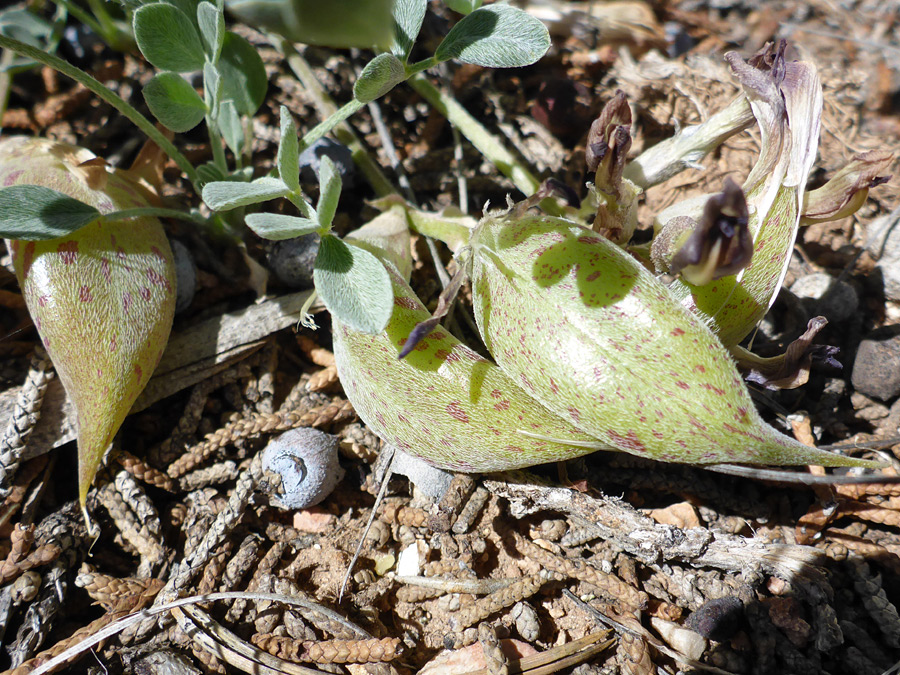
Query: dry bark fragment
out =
(144, 472)
(25, 416)
(170, 448)
(404, 515)
(112, 592)
(871, 512)
(137, 534)
(630, 599)
(505, 597)
(876, 603)
(323, 379)
(255, 424)
(329, 651)
(634, 654)
(314, 352)
(471, 510)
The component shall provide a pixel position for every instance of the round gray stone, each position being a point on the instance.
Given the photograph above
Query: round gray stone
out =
(823, 294)
(876, 371)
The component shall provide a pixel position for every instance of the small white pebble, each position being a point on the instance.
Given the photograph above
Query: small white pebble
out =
(408, 563)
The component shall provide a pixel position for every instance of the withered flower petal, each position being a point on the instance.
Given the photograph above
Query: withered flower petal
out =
(791, 369)
(848, 188)
(720, 245)
(609, 141)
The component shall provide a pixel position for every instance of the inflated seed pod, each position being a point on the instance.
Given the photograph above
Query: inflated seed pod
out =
(590, 333)
(444, 403)
(103, 297)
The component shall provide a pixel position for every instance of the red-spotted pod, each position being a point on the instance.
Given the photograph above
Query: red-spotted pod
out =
(103, 297)
(591, 334)
(444, 403)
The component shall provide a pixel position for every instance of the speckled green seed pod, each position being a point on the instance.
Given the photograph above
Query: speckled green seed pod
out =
(591, 334)
(102, 298)
(444, 403)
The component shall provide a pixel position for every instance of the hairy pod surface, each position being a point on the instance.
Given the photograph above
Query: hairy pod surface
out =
(444, 403)
(102, 298)
(591, 334)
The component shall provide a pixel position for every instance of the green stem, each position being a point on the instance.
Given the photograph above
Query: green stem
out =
(306, 210)
(113, 99)
(420, 66)
(326, 125)
(487, 144)
(215, 142)
(342, 131)
(145, 211)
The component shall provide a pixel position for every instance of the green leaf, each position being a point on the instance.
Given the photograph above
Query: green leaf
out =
(34, 213)
(167, 38)
(174, 102)
(212, 29)
(212, 85)
(229, 123)
(226, 195)
(496, 36)
(26, 27)
(288, 152)
(408, 17)
(209, 173)
(354, 285)
(336, 23)
(329, 191)
(243, 74)
(276, 227)
(463, 6)
(380, 75)
(188, 7)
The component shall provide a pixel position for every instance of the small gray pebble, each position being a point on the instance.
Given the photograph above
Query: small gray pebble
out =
(311, 158)
(292, 260)
(876, 370)
(307, 461)
(883, 242)
(185, 276)
(823, 294)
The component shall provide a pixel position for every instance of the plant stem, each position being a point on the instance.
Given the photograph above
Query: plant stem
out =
(110, 97)
(486, 143)
(342, 131)
(418, 67)
(215, 142)
(326, 125)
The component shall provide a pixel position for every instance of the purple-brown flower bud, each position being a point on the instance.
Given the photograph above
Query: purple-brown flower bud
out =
(718, 246)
